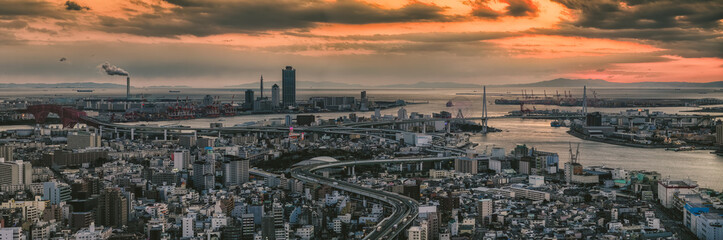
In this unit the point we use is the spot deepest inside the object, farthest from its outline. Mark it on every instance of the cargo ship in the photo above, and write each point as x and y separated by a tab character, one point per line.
84	90
450	104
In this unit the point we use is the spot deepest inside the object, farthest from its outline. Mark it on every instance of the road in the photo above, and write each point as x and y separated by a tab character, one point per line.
404	209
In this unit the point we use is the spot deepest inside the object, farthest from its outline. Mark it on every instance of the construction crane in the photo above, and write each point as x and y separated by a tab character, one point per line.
574	157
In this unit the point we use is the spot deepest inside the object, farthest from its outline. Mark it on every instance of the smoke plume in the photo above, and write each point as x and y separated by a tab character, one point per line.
113	70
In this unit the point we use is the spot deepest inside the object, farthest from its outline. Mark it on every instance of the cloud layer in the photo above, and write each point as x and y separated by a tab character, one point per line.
373	41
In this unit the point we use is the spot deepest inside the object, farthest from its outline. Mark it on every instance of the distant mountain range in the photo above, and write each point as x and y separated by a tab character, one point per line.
564	82
62	85
560	82
301	85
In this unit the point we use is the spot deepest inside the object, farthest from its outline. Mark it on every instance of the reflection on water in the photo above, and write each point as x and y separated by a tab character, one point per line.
699	165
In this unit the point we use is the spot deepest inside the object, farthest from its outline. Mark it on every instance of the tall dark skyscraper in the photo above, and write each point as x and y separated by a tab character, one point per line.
288	86
112	208
249	96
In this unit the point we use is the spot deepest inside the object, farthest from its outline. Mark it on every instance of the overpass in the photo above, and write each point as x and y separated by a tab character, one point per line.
404	209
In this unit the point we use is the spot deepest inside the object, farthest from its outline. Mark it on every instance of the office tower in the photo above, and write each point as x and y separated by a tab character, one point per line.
247	226
364	102
236	171
261	90
275	98
187	224
181	160
16	173
112	208
288	86
82	140
249	97
203	175
6	152
278	213
719	134
484	210
56	192
267	228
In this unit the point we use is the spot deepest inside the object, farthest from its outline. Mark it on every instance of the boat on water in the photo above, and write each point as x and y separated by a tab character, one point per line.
450	104
84	90
555	124
680	149
174	91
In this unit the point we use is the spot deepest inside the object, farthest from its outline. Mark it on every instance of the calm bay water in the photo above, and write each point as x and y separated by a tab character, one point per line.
699	165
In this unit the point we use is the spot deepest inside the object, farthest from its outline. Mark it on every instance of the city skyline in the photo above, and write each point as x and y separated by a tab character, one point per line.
222	43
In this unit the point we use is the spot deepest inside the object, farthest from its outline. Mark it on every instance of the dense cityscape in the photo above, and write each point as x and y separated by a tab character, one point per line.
361	119
405	176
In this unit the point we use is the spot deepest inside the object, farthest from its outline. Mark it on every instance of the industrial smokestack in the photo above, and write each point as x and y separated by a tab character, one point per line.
113	70
128	87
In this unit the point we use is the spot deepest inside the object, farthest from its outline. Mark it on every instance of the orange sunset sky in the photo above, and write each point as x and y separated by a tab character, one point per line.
216	43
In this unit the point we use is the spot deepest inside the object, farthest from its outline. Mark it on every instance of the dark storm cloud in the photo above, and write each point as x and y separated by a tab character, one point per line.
10	9
70	5
689	28
515	8
203	18
641	14
521	8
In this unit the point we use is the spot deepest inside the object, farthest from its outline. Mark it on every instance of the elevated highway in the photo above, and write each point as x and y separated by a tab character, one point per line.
404	209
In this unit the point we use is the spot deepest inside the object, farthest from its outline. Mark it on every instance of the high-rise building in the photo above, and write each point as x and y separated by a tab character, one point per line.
112	208
56	192
267	228
181	160
275	98
203	175
236	171
249	99
288	86
187	224
465	165
278	212
6	152
247	226
484	210
261	90
15	173
719	134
